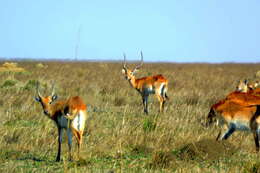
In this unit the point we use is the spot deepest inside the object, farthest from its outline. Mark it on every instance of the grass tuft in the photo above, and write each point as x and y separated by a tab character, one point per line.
8	83
30	85
149	124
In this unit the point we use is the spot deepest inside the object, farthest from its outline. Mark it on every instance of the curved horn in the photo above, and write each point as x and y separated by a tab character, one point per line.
37	89
140	65
53	89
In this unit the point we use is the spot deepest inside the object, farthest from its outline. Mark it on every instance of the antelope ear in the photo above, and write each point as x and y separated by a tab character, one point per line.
54	97
123	71
37	99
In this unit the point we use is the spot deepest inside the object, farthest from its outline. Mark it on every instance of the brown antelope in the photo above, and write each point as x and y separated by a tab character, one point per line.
69	114
234	117
157	85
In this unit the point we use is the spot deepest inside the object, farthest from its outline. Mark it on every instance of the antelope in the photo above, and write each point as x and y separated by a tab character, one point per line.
157	85
246	87
232	117
69	114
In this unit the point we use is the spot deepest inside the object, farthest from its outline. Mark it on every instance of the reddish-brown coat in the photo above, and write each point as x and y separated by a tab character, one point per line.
149	81
232	110
239	111
69	114
245	99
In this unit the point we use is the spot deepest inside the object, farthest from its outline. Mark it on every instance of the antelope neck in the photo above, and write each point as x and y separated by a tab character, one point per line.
132	82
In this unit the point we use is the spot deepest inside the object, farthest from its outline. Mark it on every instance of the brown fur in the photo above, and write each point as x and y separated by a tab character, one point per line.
245	99
145	83
231	115
64	108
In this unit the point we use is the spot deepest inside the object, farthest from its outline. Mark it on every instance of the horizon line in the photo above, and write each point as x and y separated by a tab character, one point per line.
116	60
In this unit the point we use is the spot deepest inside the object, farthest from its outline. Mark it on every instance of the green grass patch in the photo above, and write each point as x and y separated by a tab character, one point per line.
149	124
8	83
21	123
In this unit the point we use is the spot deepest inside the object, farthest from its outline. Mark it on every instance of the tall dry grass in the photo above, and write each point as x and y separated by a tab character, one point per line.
118	136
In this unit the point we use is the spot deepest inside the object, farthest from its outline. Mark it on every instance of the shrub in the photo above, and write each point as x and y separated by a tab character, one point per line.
8	83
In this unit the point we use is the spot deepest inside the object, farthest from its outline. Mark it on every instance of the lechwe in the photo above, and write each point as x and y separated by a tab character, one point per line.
246	87
157	85
69	114
233	116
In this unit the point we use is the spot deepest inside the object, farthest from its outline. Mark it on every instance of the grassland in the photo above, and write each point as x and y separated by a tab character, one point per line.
118	136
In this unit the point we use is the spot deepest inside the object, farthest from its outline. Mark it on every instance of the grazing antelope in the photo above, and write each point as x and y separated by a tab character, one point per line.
234	117
157	85
68	114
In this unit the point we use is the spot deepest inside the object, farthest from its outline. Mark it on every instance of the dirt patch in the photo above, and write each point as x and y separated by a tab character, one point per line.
140	149
205	150
162	159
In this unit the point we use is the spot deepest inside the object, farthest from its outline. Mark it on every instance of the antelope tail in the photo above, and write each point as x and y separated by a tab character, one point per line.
164	91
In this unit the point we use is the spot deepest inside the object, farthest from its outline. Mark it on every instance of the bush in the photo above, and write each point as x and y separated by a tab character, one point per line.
8	83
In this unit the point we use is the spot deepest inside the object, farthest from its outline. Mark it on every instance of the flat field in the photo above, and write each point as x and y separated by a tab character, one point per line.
119	137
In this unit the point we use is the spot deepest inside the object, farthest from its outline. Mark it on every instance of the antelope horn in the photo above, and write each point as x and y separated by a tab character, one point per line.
37	89
140	65
53	89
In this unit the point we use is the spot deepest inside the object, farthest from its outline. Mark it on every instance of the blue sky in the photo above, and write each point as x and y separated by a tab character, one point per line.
165	30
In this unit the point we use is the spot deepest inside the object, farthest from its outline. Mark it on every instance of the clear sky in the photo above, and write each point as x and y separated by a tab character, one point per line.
165	30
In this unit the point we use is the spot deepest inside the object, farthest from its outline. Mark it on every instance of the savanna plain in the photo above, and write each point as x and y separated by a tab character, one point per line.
119	137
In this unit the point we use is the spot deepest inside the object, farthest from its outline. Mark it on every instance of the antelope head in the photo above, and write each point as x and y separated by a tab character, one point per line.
211	118
46	101
129	74
243	86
